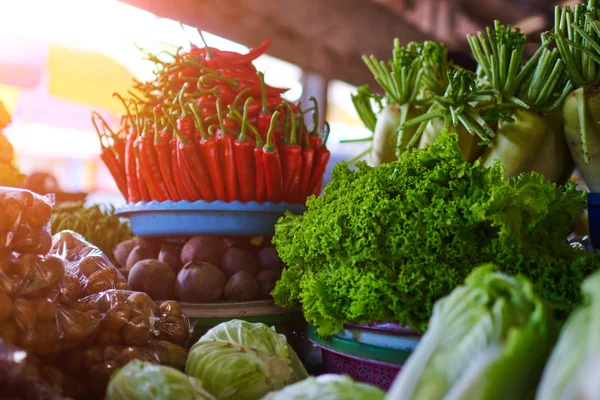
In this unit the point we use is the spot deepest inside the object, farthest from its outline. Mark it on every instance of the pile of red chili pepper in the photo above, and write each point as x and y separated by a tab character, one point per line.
209	128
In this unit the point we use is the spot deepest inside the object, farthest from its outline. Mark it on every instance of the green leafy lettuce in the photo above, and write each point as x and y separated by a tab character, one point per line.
385	243
573	370
487	340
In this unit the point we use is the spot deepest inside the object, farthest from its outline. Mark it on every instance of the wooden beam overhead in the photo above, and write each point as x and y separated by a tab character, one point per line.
324	37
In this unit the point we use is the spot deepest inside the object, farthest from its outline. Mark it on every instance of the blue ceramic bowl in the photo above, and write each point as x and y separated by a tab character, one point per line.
184	218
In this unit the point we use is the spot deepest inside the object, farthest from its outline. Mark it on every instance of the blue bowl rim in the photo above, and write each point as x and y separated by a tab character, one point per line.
203	206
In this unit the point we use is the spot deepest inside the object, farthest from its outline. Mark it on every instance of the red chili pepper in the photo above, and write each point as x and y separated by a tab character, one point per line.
247	77
118	141
244	159
107	155
119	145
178	172
265	117
321	159
260	172
315	139
210	154
217	58
142	180
163	154
256	106
272	165
185	124
230	125
146	192
207	101
258	160
308	158
133	192
193	164
150	166
251	55
291	158
186	178
227	157
226	94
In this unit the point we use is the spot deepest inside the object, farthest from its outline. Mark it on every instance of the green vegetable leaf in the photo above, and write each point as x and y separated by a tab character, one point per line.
385	243
488	339
568	371
242	360
140	380
328	387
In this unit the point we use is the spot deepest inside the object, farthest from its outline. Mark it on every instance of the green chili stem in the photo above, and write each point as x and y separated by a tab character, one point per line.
270	146
242	137
293	137
366	139
220	115
315	127
359	156
180	98
182	139
198	120
263	92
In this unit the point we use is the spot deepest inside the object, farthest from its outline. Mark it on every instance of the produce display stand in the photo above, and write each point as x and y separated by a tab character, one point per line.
219	218
372	353
174	220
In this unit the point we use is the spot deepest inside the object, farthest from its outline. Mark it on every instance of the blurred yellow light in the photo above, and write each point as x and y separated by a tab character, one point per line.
9	96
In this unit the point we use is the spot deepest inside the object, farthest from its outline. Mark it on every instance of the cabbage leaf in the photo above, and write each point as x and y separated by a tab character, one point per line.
327	387
140	380
487	340
574	363
242	360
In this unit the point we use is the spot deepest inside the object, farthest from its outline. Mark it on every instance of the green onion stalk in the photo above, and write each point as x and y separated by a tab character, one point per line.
577	36
404	79
454	111
526	94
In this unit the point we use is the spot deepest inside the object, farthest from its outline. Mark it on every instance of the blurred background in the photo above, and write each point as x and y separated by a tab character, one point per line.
61	59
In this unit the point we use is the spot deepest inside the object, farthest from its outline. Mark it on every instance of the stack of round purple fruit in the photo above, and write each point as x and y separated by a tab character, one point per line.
201	270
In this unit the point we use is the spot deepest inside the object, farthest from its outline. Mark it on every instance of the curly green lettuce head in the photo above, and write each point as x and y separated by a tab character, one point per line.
487	340
384	243
327	387
140	380
243	360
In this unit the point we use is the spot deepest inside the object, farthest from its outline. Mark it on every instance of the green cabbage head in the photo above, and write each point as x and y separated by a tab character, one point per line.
327	387
140	380
487	340
573	370
243	360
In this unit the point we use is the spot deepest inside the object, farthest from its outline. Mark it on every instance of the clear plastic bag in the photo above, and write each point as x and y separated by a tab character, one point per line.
71	312
130	319
23	376
24	221
86	263
96	364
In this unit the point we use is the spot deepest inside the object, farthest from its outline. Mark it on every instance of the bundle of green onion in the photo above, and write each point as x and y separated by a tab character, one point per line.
525	113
